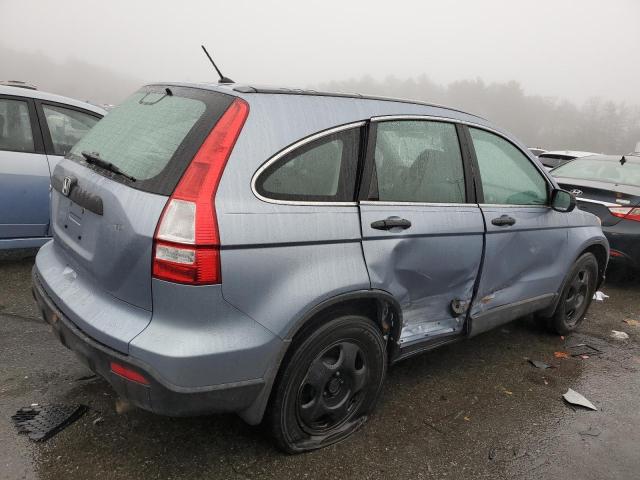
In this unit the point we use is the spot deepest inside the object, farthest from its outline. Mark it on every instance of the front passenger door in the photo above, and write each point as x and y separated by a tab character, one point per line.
526	241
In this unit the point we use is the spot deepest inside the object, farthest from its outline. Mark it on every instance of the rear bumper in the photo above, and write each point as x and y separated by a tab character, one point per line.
158	396
624	240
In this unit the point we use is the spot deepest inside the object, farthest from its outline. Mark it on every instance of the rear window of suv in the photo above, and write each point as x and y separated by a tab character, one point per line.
153	135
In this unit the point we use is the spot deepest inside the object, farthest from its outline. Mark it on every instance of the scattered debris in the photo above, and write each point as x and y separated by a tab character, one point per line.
545	381
561	354
583	349
492	454
633	323
508	392
575	398
467	419
42	422
584	357
591	432
539	364
619	335
600	296
98	421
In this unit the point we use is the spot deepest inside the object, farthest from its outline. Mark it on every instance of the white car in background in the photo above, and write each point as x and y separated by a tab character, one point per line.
555	158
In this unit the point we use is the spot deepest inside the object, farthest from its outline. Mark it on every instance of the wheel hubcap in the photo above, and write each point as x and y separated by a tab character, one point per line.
576	297
332	389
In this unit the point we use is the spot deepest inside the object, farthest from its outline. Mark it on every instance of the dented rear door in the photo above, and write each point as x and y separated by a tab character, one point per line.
422	232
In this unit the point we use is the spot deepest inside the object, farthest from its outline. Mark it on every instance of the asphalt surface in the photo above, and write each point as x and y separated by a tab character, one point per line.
475	409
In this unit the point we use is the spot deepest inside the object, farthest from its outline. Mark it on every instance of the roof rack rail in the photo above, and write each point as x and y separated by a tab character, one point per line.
18	83
317	93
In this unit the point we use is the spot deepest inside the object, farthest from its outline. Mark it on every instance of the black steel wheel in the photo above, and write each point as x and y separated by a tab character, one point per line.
328	385
576	295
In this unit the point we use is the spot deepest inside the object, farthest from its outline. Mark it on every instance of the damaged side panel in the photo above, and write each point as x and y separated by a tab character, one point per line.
429	268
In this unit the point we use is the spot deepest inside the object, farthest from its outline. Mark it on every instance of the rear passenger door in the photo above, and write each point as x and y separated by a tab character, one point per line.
526	242
422	231
24	173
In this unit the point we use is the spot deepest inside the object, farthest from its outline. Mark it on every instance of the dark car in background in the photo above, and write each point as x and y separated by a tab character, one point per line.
609	186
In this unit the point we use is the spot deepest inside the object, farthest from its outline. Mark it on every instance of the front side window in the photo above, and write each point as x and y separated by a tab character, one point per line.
66	127
15	126
323	170
418	161
508	176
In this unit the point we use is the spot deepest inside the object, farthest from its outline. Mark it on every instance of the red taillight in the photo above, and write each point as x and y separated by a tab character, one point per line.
615	253
187	243
127	373
628	213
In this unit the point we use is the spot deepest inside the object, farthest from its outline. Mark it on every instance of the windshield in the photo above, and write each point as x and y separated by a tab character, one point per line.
601	171
141	135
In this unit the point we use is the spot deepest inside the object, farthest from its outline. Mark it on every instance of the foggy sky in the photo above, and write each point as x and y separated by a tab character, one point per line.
559	48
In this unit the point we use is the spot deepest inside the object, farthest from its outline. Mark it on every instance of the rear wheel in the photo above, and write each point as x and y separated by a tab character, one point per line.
576	295
329	384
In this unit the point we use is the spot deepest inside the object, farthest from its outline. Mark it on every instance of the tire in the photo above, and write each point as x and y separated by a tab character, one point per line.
576	296
328	385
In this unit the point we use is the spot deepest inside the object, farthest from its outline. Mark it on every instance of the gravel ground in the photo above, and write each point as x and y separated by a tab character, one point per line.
475	409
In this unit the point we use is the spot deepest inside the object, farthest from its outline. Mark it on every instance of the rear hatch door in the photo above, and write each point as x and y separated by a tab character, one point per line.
109	193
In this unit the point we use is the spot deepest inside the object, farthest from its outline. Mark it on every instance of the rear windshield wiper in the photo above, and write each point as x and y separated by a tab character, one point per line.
94	158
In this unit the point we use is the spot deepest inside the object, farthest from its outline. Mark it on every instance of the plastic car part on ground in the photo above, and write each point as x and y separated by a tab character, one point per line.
582	349
42	422
600	296
619	335
575	398
539	364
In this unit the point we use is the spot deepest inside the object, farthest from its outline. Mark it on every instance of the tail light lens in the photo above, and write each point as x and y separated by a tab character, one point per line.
628	213
187	244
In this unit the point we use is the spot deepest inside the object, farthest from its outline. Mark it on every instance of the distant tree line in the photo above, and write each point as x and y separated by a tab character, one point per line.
598	125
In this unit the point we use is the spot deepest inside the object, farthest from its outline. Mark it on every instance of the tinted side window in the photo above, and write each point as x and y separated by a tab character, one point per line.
15	126
66	127
508	176
322	171
418	161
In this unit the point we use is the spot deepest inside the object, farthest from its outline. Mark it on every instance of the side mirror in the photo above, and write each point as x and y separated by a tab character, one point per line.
562	201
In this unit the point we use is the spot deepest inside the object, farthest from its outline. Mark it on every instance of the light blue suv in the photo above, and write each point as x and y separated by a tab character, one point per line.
36	130
227	248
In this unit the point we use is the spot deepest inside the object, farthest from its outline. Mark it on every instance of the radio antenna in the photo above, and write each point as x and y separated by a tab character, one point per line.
223	79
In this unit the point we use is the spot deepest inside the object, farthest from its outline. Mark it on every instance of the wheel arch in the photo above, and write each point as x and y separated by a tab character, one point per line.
601	251
380	306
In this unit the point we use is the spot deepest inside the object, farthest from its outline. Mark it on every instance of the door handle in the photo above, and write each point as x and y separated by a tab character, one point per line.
503	221
391	222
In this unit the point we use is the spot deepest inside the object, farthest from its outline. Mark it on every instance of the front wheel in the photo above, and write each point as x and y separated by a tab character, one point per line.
328	385
576	295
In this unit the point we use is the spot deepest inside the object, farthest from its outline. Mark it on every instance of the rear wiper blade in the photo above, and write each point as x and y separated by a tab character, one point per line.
94	158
